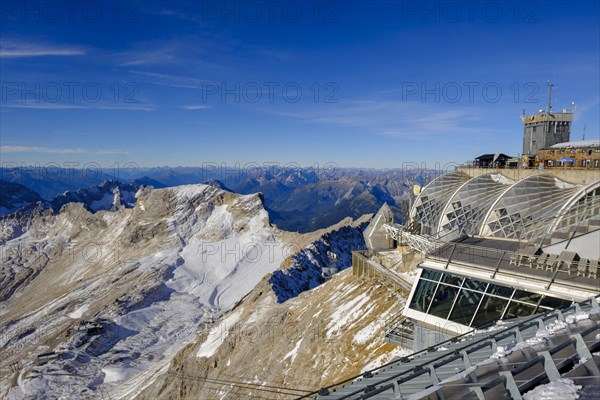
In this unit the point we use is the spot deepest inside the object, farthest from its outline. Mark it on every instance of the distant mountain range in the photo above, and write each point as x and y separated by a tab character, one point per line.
297	199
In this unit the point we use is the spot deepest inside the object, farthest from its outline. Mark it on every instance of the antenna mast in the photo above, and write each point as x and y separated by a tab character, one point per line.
549	106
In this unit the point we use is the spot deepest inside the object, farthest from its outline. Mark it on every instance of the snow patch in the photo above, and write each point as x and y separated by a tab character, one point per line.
186	192
563	185
501	179
562	389
217	335
386	357
366	334
79	312
294	352
346	312
115	373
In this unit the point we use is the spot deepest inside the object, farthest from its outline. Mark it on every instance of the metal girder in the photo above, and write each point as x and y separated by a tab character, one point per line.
422	243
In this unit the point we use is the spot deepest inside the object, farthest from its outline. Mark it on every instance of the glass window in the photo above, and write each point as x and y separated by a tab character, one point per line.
554	303
491	310
527	297
452	279
474	284
431	275
465	306
497	290
517	310
423	295
442	301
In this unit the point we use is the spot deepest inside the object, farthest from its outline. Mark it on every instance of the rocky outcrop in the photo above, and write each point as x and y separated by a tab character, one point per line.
154	269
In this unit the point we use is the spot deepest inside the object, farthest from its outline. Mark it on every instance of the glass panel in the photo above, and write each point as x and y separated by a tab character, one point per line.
431	275
497	290
452	279
554	303
527	297
475	285
516	310
423	295
491	310
442	302
465	307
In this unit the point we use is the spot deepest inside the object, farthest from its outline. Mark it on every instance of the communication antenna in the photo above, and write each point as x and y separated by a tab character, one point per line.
583	138
549	106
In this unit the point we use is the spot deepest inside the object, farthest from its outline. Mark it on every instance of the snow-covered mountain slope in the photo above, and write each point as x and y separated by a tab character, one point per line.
145	278
108	195
266	349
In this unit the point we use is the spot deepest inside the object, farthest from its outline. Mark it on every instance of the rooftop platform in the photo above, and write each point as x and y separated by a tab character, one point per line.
518	265
572	175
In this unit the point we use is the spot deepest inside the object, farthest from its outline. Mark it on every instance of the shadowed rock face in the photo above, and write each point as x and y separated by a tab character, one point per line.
306	270
14	196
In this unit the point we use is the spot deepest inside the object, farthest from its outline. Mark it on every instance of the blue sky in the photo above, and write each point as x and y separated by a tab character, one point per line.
356	83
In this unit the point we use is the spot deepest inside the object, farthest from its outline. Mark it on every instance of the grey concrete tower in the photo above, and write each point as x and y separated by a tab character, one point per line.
545	128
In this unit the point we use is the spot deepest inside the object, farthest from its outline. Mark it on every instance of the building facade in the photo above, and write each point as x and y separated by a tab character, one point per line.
578	154
544	130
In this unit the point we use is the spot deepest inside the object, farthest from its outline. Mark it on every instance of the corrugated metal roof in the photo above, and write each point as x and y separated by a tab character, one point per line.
503	362
577	143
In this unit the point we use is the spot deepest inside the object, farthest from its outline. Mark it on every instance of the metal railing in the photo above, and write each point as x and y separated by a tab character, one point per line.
393	381
422	243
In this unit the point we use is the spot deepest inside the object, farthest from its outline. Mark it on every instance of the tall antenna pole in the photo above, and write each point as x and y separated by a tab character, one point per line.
549	106
583	132
548	109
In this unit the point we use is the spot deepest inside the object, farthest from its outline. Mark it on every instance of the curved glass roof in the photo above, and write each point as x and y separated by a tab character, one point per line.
581	209
492	205
529	208
465	211
428	207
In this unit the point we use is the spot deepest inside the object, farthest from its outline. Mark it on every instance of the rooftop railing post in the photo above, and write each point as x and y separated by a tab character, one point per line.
451	254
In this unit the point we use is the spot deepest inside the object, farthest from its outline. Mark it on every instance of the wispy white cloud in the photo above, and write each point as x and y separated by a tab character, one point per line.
56	150
111	152
162	52
86	106
35	149
392	118
125	106
10	48
173	80
169	12
44	106
196	107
